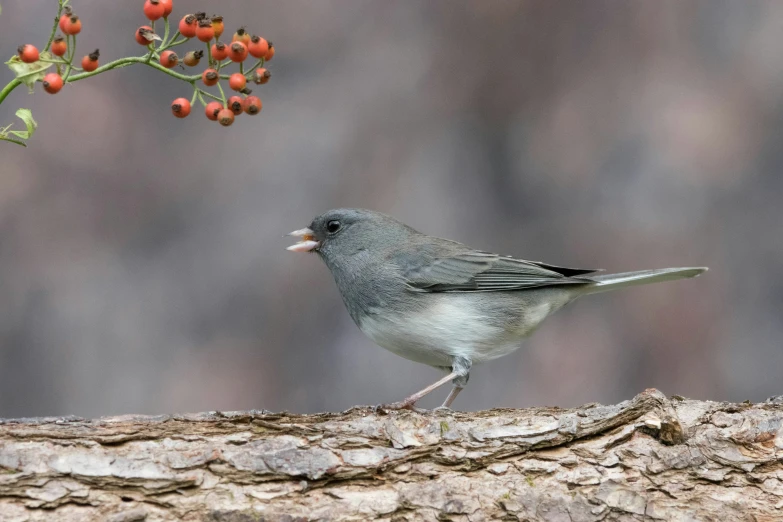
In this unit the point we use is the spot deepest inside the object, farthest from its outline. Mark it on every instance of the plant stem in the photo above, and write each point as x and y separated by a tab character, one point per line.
124	62
13	84
56	22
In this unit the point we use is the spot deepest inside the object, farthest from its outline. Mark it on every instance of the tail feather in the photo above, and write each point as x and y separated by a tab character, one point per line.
607	282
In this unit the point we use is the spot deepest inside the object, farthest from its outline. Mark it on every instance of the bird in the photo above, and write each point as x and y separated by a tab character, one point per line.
441	303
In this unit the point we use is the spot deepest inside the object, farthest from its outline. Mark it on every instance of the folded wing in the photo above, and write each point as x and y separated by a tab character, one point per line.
476	271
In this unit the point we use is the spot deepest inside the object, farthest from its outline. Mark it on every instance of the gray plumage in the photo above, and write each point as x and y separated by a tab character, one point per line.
441	303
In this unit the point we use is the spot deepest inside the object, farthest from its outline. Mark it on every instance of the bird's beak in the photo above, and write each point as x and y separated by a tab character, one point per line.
308	242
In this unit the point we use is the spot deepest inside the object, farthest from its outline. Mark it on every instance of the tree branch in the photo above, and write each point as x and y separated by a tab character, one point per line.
649	458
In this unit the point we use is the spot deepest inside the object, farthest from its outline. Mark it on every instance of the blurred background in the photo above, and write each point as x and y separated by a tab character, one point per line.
141	261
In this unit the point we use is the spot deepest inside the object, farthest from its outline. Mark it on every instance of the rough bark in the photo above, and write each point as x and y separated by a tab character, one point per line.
649	458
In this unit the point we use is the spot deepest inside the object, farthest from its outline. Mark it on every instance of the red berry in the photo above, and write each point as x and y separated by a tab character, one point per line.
241	36
144	35
210	77
180	107
225	117
52	83
261	76
217	25
205	32
212	110
168	7
237	52
153	9
59	47
270	53
235	104
28	53
188	26
252	105
72	25
258	47
67	12
237	81
169	59
90	62
219	51
192	58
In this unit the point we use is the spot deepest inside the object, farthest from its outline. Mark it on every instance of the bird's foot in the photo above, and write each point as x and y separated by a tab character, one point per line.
442	409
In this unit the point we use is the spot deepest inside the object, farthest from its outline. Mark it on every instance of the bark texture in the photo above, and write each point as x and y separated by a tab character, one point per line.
649	458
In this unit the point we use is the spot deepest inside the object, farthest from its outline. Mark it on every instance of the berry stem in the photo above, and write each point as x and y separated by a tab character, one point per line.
60	6
209	94
173	42
71	52
165	34
222	94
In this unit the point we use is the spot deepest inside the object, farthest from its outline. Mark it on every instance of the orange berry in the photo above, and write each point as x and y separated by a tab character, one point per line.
237	52
235	104
258	47
192	58
144	35
217	25
72	25
219	51
52	83
28	53
241	36
188	26
168	7
270	53
59	47
205	32
180	107
169	59
210	77
153	9
212	109
90	62
225	117
252	105
237	81
261	76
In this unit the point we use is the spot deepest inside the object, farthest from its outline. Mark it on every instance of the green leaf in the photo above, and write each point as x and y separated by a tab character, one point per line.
29	73
27	117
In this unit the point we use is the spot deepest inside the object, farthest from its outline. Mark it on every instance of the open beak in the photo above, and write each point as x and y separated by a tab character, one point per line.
308	242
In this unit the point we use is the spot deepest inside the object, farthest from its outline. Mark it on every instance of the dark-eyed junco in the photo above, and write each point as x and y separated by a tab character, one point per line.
440	303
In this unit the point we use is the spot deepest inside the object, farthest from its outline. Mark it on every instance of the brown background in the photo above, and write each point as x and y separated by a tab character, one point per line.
141	263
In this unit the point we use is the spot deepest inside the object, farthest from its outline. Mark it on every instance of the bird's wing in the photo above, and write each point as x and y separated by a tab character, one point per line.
476	271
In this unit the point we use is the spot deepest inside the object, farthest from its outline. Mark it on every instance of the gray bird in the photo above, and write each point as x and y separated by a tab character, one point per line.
441	303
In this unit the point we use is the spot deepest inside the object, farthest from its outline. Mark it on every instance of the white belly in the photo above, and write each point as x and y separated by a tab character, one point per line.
453	326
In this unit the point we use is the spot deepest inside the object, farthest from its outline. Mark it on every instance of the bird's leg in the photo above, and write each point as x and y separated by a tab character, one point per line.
461	366
408	402
452	395
460	372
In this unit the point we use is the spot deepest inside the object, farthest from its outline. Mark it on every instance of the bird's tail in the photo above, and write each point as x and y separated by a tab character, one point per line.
642	277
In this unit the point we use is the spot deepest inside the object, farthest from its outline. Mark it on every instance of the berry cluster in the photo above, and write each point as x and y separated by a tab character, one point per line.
59	52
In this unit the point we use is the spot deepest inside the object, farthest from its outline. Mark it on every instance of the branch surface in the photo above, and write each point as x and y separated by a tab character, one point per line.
649	458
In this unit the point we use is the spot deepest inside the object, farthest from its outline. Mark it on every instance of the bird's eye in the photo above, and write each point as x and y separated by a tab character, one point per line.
333	226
